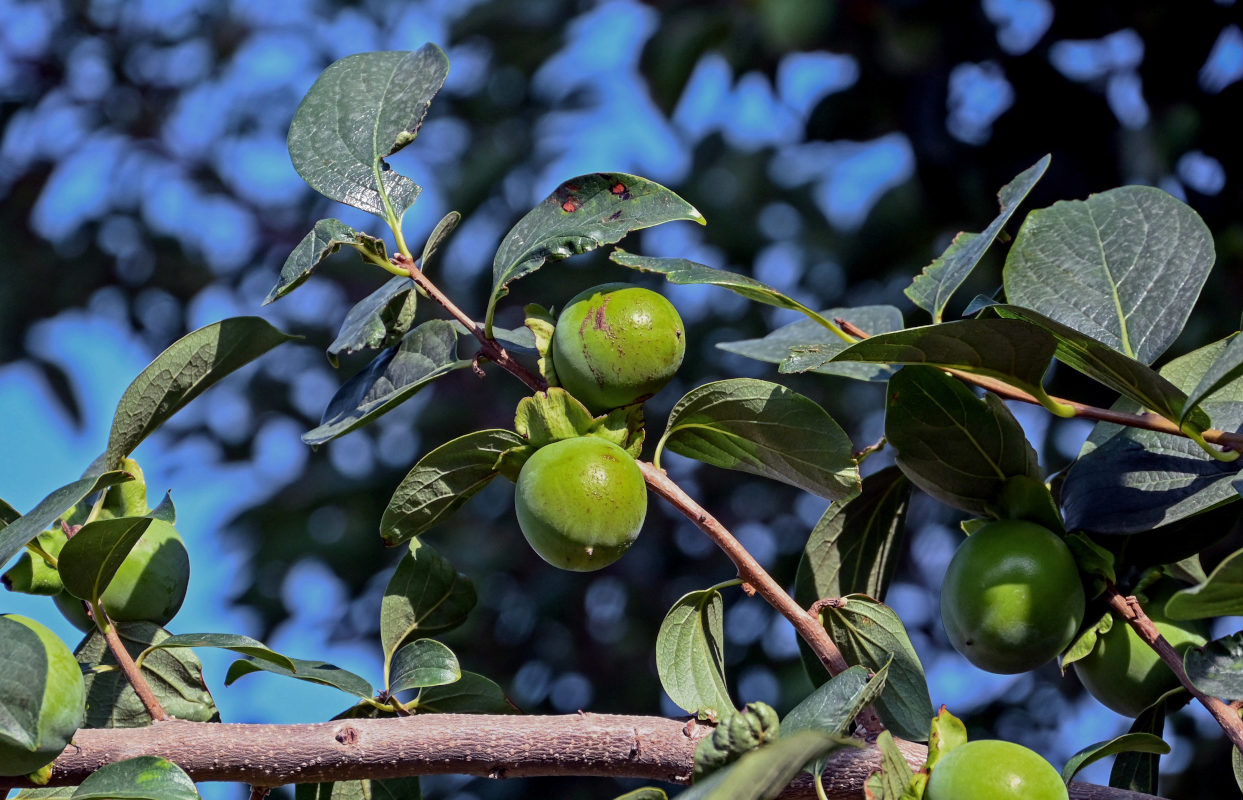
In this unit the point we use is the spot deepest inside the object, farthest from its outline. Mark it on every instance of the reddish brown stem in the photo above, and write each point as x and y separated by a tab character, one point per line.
128	668
1130	610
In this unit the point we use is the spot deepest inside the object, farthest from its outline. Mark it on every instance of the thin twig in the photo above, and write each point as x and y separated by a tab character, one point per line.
132	673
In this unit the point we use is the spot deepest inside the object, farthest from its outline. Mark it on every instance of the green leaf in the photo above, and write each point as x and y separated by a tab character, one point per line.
1128	742
895	773
141	778
1028	498
542	325
645	793
855	545
1220	596
361	110
1124	267
326	238
13	537
442	481
33	573
834	704
817	345
23	683
931	290
320	672
762	773
8	515
440	234
690	657
580	215
764	429
471	694
955	447
367	789
89	560
176	677
181	373
423	662
550	416
1217	668
377	321
1236	762
1134	770
869	633
426	353
1225	369
225	641
46	793
946	733
425	596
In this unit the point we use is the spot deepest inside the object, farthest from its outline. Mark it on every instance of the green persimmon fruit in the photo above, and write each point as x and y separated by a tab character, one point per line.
149	586
991	769
617	344
1123	672
580	502
1011	599
60	710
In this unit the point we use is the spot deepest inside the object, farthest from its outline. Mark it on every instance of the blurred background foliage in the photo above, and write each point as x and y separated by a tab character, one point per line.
835	148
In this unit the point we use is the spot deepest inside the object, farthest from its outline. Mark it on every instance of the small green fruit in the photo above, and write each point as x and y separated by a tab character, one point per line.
617	344
580	502
990	769
60	711
1011	599
150	586
1123	672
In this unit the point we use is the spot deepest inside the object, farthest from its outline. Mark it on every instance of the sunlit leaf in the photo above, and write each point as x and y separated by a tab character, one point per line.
762	773
319	672
13	537
470	694
425	596
327	237
423	662
89	560
234	642
141	778
690	658
1127	742
1217	668
1225	369
833	705
1220	596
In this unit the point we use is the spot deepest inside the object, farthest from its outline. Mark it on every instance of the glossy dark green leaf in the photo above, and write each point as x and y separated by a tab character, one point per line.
423	662
1124	267
327	237
954	446
869	633
426	353
13	537
23	681
764	429
440	234
181	373
175	675
833	705
1220	596
1127	742
762	773
377	321
442	480
817	345
141	778
855	545
580	215
1225	369
931	290
1138	771
89	560
359	111
471	694
1217	668
386	789
320	672
226	641
8	514
425	596
690	656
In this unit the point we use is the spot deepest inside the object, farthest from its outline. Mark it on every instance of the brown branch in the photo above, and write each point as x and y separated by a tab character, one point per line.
1130	610
126	664
652	748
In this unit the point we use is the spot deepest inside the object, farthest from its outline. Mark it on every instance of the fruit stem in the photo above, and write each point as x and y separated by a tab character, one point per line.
127	665
1130	610
749	570
492	349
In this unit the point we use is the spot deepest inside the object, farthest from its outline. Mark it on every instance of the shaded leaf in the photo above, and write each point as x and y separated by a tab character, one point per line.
1124	267
762	773
368	789
377	321
1128	742
425	354
225	641
23	681
320	672
425	596
8	514
764	429
326	238
1217	668
360	110
423	662
580	215
440	234
141	778
471	694
89	560
834	704
817	345
13	537
690	656
1135	770
1220	596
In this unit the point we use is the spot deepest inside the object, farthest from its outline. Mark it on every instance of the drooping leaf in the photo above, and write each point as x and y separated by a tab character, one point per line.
471	694
367	789
1221	595
423	662
13	537
931	290
762	773
425	596
1217	668
870	633
377	321
817	345
141	778
23	680
89	560
327	237
1138	771
1226	368
955	447
690	658
181	373
442	481
854	547
320	672
425	354
834	704
1128	742
1124	267
362	109
235	642
764	429
580	215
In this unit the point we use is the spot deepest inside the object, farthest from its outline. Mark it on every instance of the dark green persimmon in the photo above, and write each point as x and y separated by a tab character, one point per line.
60	709
990	769
1011	599
617	344
1123	672
580	502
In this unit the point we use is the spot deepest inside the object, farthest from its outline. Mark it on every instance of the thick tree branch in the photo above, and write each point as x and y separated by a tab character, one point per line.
653	748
